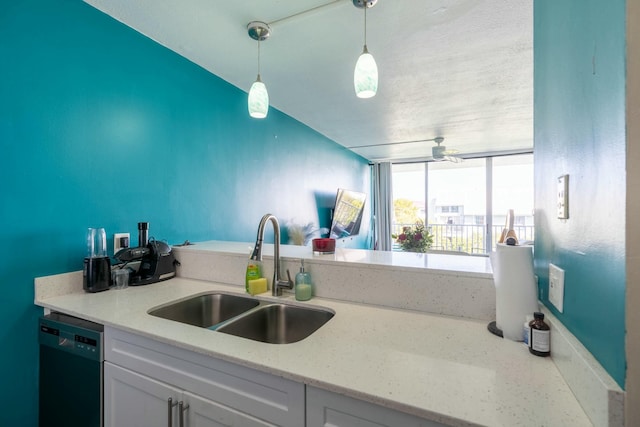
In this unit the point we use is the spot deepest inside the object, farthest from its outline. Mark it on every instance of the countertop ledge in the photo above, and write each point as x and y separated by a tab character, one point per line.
445	263
445	369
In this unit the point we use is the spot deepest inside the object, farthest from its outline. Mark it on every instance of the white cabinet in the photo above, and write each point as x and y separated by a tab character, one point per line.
327	409
136	400
142	374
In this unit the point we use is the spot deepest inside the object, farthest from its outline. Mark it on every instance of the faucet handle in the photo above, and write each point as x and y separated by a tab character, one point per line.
290	281
284	283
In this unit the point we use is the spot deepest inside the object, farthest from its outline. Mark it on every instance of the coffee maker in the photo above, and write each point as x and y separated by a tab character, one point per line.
97	265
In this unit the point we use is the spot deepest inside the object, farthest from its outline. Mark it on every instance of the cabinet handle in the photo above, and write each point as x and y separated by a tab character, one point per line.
182	409
170	406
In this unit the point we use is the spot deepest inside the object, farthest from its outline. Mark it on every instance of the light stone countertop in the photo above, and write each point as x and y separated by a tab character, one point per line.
446	369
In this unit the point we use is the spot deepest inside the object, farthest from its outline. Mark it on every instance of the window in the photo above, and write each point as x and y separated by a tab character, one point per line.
513	189
465	204
408	186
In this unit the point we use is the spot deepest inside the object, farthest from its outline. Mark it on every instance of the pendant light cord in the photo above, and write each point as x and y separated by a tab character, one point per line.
258	57
365	23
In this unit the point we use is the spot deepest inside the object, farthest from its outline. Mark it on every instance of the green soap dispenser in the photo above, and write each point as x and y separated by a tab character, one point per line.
303	288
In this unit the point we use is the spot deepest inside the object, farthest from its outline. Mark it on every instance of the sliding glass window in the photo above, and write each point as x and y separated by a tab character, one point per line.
457	205
513	189
465	204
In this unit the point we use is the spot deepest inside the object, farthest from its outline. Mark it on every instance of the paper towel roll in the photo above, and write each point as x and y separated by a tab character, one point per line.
516	293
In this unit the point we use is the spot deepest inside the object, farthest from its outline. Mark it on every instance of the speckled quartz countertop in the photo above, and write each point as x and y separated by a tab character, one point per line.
446	369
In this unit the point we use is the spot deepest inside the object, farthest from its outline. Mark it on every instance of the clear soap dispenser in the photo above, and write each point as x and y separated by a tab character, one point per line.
303	288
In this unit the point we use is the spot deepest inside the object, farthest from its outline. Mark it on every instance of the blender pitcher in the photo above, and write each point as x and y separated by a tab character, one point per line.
97	265
96	243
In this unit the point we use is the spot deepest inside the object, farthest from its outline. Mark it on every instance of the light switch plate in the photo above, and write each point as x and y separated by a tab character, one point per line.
556	287
563	197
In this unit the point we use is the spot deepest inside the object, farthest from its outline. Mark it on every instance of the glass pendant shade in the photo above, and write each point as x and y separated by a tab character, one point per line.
365	76
258	100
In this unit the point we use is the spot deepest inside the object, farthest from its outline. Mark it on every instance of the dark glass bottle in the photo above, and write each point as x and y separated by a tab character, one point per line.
539	336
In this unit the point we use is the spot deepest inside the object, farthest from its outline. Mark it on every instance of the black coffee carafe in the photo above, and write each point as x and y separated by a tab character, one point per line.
97	265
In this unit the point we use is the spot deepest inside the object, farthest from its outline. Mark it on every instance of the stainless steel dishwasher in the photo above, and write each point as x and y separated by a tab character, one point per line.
71	373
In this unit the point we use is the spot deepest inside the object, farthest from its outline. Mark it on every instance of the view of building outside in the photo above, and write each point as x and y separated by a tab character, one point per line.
451	198
457	205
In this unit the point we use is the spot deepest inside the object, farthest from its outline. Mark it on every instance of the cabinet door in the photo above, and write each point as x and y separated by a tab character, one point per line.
266	397
134	400
326	409
206	413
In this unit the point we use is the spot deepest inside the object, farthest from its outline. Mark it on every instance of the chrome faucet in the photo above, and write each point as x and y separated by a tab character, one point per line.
278	282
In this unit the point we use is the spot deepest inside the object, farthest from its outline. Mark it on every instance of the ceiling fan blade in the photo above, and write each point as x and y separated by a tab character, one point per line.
453	159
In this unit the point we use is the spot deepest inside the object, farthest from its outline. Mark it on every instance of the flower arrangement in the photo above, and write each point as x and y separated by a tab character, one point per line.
414	238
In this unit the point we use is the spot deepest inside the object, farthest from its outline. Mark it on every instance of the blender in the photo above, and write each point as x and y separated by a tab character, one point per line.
97	265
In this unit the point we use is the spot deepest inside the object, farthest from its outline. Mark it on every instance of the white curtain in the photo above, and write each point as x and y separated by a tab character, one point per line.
382	203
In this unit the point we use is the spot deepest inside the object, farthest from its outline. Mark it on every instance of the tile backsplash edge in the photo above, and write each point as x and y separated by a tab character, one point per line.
56	285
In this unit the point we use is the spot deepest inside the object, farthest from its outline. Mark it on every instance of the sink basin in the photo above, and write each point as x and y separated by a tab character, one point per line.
246	317
278	323
206	310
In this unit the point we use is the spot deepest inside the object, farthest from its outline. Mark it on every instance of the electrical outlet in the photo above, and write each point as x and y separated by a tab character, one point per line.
556	287
117	242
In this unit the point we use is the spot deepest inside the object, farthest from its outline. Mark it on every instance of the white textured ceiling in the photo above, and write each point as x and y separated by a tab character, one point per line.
461	69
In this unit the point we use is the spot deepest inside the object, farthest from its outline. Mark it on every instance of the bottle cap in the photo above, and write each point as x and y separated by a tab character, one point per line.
538	316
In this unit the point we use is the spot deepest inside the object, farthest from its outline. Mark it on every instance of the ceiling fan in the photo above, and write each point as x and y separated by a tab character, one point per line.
440	152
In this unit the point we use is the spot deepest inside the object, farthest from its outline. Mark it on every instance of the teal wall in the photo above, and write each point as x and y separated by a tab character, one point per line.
100	126
579	116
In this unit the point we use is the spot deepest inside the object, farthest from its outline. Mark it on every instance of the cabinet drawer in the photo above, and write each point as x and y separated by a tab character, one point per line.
267	397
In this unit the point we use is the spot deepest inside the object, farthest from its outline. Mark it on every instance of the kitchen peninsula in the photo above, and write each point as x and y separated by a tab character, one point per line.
434	368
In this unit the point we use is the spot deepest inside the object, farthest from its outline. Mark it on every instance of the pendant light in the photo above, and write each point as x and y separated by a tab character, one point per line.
365	75
258	101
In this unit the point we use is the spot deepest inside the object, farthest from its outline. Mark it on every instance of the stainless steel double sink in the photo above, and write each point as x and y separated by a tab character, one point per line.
247	317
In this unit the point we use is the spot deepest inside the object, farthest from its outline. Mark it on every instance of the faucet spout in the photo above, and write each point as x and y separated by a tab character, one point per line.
278	281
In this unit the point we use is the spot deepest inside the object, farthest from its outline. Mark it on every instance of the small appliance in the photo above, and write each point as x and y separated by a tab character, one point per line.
96	271
155	258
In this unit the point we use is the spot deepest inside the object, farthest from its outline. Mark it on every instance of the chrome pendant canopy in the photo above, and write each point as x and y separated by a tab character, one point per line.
361	4
258	30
